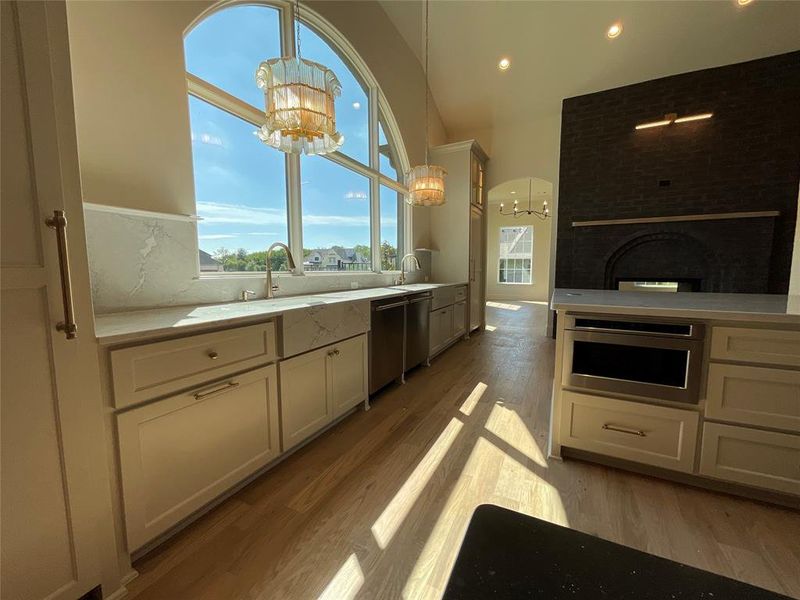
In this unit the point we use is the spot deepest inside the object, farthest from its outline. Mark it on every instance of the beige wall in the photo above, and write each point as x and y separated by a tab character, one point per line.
528	149
538	290
131	104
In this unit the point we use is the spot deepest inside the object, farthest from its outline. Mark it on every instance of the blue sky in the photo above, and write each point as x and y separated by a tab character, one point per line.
239	181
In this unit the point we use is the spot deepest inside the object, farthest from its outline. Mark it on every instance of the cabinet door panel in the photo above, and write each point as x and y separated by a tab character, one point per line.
54	483
348	367
305	403
751	456
178	454
459	319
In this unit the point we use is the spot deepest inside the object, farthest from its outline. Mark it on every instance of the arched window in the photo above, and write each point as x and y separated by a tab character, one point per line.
340	212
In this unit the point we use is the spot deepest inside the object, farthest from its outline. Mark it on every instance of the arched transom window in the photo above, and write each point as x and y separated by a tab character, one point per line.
340	212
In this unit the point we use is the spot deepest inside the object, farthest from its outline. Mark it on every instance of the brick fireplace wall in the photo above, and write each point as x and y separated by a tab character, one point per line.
745	158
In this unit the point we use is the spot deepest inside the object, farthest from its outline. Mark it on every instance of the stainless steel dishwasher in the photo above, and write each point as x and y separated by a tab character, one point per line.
418	318
386	342
398	338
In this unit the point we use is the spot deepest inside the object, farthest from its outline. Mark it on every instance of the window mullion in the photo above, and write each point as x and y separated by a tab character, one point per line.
374	182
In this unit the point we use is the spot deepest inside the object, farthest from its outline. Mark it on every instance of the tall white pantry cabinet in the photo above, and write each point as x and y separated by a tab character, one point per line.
458	227
55	523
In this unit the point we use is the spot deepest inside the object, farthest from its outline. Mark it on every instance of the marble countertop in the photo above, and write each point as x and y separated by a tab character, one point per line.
123	327
694	305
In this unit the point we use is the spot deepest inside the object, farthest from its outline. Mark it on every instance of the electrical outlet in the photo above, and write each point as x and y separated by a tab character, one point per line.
353	285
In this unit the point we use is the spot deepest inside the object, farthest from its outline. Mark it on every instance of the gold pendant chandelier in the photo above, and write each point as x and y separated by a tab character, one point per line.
426	182
300	109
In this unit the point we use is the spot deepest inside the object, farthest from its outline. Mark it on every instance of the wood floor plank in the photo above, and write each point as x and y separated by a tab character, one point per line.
376	508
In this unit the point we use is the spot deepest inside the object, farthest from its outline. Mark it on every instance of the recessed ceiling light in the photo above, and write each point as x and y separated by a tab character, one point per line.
504	64
743	2
513	193
614	31
356	105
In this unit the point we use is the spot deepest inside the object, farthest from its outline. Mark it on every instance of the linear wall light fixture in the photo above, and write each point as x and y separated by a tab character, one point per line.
671	118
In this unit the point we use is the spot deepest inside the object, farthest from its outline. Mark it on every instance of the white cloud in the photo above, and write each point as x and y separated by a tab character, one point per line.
207	138
240	214
218	236
219	212
355	195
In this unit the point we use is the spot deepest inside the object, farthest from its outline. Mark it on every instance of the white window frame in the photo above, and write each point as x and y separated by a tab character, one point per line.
501	257
378	110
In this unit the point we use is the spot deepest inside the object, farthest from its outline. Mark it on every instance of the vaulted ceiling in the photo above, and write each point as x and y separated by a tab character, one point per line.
559	49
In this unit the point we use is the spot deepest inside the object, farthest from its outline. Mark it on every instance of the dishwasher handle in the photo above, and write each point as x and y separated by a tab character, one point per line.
421	299
388	306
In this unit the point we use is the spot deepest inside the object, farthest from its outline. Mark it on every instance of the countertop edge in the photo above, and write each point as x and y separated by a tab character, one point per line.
141	335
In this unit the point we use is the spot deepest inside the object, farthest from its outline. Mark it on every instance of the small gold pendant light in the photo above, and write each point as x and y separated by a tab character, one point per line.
299	97
426	182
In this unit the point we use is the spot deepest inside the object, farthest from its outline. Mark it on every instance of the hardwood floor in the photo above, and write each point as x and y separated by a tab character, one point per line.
377	507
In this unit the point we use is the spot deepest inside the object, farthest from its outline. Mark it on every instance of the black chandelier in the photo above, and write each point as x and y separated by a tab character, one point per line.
517	212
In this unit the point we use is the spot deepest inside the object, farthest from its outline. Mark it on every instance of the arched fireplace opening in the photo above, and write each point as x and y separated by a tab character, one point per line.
667	261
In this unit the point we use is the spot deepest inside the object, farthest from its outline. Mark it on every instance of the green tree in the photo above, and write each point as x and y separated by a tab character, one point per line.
388	256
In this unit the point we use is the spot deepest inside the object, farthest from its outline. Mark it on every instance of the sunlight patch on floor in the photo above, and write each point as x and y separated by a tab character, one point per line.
507	425
346	583
490	328
394	514
473	398
503	305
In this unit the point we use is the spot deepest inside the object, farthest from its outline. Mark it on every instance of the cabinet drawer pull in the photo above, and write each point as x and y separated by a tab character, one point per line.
213	355
336	352
609	427
226	387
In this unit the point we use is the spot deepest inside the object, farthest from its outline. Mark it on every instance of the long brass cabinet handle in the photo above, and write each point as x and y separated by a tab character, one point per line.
59	222
609	427
225	387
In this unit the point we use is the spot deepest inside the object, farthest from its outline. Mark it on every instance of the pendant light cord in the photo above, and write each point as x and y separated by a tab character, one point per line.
427	4
297	25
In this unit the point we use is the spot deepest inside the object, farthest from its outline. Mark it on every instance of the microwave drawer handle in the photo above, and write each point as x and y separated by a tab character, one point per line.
610	427
225	387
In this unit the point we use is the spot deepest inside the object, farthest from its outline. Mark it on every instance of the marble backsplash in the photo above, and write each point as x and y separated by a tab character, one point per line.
146	260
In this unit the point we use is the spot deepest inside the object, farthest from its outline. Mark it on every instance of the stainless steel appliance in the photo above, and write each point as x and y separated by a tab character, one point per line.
651	359
398	338
418	317
386	342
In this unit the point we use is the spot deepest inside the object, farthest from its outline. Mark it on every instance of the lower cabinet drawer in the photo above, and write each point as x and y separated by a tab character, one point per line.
178	454
158	369
461	293
754	396
753	457
655	435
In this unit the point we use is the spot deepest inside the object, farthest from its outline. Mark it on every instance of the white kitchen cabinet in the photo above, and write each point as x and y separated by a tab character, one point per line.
441	329
766	459
319	386
178	454
348	366
57	537
477	296
755	345
459	319
157	369
754	396
655	435
305	404
458	228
